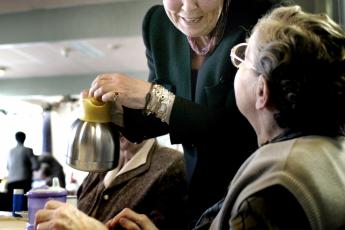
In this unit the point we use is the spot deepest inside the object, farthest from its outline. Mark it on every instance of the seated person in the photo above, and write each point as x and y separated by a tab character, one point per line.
49	168
291	88
149	179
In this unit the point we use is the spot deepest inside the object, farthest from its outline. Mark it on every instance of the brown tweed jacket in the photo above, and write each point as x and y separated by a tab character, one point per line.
158	189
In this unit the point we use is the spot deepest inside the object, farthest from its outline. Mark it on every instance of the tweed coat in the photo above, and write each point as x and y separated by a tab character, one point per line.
156	188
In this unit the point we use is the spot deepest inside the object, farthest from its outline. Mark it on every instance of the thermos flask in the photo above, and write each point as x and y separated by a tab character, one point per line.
94	140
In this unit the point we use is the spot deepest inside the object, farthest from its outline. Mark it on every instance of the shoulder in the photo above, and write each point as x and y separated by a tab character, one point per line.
306	149
156	24
292	164
154	14
167	157
168	152
156	11
28	151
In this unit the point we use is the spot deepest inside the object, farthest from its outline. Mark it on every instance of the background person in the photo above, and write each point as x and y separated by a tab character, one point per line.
191	96
49	168
20	165
149	178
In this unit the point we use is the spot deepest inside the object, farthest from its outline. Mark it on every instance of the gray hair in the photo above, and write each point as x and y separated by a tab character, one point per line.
302	55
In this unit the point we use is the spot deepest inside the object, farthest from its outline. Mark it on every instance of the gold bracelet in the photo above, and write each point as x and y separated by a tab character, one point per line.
160	102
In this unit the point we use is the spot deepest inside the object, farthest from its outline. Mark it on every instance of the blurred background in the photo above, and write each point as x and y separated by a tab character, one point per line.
52	49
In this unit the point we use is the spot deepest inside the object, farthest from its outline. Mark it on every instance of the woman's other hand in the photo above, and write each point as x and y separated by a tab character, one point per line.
128	91
130	220
61	216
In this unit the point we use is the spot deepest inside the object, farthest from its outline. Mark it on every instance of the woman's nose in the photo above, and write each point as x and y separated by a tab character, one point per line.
188	5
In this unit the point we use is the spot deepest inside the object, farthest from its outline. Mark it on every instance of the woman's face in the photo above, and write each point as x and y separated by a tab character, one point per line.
194	18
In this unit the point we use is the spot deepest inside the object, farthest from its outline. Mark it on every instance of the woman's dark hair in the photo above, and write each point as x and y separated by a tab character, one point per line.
222	21
302	55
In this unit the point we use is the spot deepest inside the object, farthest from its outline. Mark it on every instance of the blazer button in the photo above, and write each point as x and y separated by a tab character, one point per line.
106	197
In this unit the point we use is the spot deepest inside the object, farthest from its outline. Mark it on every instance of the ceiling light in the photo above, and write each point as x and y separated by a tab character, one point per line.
66	51
3	70
87	49
114	46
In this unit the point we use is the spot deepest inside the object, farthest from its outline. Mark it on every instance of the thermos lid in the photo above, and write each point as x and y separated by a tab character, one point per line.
94	110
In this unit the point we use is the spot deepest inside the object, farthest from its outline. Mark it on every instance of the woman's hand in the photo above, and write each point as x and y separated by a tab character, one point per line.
130	220
61	216
127	91
116	110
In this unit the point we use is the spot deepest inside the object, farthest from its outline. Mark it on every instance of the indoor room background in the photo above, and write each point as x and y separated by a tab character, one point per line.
50	50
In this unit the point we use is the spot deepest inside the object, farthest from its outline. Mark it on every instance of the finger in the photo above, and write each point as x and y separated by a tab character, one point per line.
55	224
43	226
94	85
105	92
130	218
111	96
97	88
128	224
98	78
43	215
110	226
141	220
84	94
115	220
53	204
103	80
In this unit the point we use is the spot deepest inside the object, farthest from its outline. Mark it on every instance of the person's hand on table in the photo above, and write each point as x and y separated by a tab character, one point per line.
130	220
62	216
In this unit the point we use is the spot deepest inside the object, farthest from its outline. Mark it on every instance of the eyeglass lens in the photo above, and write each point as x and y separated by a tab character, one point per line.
239	55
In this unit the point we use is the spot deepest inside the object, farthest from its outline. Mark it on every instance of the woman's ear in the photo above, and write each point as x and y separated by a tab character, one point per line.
262	93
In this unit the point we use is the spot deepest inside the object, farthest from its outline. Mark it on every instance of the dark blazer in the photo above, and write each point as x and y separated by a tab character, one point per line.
215	136
157	188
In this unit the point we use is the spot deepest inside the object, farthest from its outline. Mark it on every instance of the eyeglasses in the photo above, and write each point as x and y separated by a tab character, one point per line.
238	56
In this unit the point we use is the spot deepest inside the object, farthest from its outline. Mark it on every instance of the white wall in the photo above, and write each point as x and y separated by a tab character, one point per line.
21	116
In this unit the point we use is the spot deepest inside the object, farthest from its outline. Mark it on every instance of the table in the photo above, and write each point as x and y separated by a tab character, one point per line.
8	222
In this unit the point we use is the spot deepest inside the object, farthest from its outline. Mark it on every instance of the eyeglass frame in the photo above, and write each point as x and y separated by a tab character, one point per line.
233	56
